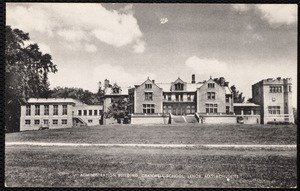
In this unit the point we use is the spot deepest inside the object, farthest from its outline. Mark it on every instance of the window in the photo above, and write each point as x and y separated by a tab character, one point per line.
227	109
275	89
46	121
189	97
28	110
46	109
90	112
273	110
37	122
169	97
100	112
37	110
227	99
211	108
211	95
90	121
55	122
188	111
148	86
148	95
55	109
116	90
178	97
65	110
290	88
84	112
27	122
79	112
64	121
179	86
95	112
211	85
148	108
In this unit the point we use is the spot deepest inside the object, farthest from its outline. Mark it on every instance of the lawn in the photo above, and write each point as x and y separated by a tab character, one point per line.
131	167
165	134
35	166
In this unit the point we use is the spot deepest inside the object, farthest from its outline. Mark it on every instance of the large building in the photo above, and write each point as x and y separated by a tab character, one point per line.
275	99
179	98
58	113
203	102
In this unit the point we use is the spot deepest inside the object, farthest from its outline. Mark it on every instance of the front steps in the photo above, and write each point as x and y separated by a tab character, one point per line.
183	119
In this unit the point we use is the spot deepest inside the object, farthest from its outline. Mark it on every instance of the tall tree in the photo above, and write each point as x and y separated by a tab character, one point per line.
100	93
26	74
236	95
118	108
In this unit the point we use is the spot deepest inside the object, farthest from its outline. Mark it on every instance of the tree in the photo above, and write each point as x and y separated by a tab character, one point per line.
100	93
295	115
118	108
236	95
250	100
26	74
84	96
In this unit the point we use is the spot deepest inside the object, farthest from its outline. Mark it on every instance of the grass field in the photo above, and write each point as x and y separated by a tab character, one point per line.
153	167
171	134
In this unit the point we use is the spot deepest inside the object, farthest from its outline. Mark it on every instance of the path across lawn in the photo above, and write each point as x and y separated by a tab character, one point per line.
150	145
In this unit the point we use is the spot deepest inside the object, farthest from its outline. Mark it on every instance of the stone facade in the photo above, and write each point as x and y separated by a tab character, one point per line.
181	98
212	95
275	99
147	98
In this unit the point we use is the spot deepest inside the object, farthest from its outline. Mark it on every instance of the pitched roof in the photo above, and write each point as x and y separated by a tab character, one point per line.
53	100
190	87
245	105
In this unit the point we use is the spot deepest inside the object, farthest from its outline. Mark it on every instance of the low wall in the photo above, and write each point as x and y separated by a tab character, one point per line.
251	119
229	119
218	119
149	119
279	118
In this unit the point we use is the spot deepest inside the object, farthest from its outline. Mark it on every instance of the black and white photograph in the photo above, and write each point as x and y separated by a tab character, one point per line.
162	95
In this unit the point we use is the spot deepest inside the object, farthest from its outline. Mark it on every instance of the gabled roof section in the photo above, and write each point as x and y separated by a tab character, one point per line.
148	81
115	86
178	80
228	90
210	80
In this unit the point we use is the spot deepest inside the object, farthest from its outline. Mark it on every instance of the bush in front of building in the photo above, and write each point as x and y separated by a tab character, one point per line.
280	123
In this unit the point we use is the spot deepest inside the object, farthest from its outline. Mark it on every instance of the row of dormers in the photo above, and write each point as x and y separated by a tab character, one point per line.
177	86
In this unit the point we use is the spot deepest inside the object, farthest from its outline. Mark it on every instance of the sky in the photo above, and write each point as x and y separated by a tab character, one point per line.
127	43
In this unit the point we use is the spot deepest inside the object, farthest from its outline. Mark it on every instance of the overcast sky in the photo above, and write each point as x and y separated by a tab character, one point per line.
126	43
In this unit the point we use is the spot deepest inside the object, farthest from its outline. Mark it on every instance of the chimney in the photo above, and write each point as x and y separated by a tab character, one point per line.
153	81
222	81
193	79
106	83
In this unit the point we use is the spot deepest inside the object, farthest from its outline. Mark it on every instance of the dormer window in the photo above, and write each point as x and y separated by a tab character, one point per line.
148	86
211	85
178	86
115	90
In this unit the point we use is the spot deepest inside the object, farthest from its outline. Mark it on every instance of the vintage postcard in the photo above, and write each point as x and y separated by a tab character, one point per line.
151	95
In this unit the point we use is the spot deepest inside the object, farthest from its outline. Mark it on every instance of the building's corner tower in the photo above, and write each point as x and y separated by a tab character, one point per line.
288	107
